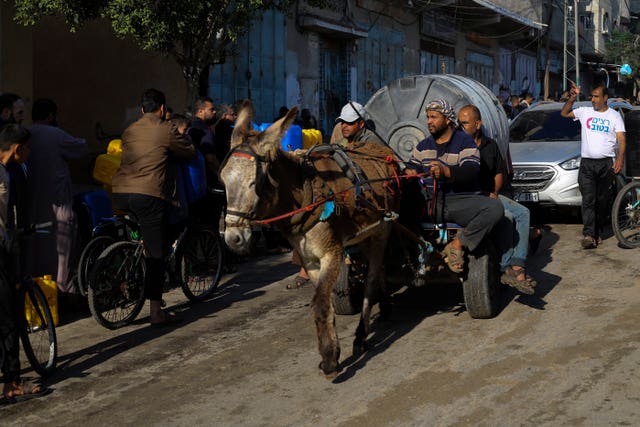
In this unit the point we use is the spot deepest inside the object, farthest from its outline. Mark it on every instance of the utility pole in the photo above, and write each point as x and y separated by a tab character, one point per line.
577	39
564	50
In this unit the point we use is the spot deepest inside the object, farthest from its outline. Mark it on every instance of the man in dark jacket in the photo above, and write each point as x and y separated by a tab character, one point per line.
145	183
451	157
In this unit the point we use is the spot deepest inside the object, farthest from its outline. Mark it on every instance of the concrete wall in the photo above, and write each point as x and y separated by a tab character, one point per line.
95	77
16	56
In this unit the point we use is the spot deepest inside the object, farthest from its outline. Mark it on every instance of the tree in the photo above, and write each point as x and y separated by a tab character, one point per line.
623	47
196	33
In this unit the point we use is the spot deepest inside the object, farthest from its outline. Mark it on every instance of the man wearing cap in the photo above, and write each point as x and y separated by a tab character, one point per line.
452	160
350	126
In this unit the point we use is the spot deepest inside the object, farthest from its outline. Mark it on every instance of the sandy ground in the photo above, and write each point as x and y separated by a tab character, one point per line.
565	356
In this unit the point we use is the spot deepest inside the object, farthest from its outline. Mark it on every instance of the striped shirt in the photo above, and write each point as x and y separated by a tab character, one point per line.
460	154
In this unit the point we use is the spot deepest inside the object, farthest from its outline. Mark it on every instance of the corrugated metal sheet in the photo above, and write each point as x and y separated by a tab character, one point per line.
380	59
257	71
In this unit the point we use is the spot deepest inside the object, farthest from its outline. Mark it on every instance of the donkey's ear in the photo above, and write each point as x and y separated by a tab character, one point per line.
243	124
268	142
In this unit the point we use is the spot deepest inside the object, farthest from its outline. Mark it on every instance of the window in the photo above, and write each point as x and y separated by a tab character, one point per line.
586	21
605	23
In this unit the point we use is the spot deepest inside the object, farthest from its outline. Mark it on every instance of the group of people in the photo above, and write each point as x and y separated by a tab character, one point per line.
35	187
145	183
457	158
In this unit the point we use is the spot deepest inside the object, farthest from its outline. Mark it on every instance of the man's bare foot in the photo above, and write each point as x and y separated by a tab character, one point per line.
23	390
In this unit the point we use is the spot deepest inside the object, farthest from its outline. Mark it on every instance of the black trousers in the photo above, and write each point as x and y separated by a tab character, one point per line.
9	333
478	215
594	180
151	214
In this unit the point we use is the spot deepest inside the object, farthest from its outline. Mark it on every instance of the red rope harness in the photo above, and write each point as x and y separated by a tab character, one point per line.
345	194
307	208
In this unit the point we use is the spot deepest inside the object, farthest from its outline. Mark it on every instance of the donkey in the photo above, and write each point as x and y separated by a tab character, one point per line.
322	212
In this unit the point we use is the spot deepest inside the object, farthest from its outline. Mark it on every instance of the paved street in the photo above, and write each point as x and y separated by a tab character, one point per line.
566	356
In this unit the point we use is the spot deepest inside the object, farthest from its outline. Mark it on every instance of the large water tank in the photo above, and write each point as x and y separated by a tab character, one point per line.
398	109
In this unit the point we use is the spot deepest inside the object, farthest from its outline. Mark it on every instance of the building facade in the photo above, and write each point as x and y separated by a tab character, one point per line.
320	59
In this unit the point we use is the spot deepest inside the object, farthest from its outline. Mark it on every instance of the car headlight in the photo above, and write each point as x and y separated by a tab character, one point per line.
571	164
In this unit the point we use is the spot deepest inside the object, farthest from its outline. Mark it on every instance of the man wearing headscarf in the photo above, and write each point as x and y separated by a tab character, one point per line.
452	161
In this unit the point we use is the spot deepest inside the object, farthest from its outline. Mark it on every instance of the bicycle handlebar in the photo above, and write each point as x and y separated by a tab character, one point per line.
34	228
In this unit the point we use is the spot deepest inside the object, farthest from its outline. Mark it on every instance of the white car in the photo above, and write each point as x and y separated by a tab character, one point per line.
545	152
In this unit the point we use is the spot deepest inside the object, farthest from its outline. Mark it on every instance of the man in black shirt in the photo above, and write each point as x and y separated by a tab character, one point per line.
493	180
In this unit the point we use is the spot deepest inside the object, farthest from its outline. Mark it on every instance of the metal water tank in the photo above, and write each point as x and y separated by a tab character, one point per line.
398	109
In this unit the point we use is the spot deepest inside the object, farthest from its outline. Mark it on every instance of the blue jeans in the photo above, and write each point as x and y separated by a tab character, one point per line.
520	216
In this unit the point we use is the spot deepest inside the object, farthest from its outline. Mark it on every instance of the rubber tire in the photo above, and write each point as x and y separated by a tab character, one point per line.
480	286
193	252
348	292
42	359
621	198
88	257
106	267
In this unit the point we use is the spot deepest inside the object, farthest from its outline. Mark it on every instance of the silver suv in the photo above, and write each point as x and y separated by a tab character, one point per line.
545	151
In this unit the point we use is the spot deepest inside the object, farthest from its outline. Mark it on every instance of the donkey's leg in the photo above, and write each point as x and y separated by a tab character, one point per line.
375	287
323	313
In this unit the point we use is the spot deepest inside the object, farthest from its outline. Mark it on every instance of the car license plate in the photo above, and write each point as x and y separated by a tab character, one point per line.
527	197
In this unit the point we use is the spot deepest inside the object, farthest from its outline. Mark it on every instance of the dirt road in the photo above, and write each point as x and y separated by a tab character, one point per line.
565	356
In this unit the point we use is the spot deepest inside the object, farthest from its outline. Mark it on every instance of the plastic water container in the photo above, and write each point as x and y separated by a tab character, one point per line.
50	290
292	139
98	204
311	137
115	147
105	167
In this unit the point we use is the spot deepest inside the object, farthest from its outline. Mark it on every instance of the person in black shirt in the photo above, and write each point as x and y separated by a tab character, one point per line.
494	180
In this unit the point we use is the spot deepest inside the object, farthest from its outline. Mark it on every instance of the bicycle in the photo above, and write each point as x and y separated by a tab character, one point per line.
36	324
103	235
625	215
116	287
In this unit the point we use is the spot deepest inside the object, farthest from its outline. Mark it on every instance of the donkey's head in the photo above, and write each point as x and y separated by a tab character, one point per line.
246	174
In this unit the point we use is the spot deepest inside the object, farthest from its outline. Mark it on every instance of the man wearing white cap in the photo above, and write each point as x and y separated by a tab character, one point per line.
350	126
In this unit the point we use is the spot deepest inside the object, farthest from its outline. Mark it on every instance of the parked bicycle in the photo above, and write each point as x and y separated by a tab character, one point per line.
116	286
36	322
106	233
625	215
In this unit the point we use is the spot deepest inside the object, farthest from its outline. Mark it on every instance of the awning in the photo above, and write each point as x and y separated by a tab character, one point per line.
334	28
511	14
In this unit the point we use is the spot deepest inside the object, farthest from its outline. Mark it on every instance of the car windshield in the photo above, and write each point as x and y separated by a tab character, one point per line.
543	125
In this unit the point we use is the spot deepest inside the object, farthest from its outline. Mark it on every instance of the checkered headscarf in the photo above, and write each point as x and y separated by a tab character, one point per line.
443	107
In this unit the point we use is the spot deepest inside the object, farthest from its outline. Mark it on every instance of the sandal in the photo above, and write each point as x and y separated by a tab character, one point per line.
510	278
298	282
23	390
278	250
454	258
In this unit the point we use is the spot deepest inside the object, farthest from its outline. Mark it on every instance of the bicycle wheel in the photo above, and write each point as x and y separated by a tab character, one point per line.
116	286
200	263
625	216
88	257
38	333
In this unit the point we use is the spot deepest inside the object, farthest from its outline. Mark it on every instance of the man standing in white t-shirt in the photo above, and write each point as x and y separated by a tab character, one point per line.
602	129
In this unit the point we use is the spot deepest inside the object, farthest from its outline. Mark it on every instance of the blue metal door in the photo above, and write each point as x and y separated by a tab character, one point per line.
256	70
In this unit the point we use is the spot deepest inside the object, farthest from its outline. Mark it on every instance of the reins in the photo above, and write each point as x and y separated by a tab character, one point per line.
345	192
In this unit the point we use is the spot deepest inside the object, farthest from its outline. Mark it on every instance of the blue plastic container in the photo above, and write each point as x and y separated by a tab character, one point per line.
98	205
292	139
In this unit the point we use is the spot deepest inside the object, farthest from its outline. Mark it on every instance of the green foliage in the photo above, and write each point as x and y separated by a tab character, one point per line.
196	33
623	47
